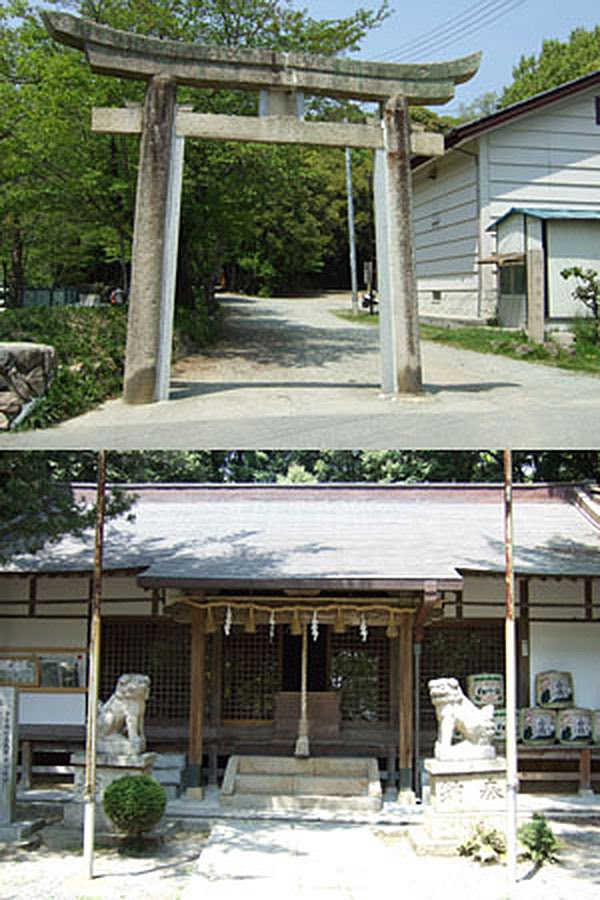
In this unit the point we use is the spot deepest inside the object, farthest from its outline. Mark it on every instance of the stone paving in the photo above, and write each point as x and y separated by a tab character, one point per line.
291	374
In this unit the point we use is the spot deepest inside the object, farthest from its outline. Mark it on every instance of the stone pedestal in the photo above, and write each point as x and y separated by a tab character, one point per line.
109	767
463	793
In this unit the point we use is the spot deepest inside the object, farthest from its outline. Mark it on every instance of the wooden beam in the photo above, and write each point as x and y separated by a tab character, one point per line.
405	735
196	735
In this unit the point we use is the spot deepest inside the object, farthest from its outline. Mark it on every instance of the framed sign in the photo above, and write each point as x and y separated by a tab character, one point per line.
45	669
19	671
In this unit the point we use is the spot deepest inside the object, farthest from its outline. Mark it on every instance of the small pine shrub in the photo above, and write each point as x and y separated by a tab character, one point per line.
486	845
540	842
135	803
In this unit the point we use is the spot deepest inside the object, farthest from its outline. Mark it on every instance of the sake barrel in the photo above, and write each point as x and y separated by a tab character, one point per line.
486	687
537	726
500	724
554	690
574	727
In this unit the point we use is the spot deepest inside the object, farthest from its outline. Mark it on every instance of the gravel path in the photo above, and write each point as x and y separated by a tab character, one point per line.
308	862
290	374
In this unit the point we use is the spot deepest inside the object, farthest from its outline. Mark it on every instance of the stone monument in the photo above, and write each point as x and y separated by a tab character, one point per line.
10	830
120	748
467	781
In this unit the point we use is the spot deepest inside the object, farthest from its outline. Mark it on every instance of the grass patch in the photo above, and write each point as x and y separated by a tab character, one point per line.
90	344
583	357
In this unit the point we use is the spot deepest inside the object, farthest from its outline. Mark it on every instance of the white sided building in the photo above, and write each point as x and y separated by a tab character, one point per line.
533	167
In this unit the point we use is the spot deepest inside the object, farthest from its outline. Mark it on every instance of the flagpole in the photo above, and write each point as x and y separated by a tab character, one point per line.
89	796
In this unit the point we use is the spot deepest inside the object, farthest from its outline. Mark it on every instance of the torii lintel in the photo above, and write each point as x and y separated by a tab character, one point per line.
114	52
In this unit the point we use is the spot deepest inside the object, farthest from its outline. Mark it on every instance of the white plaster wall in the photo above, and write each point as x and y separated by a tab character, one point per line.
571	648
51	709
486	589
17	633
554	594
13	590
63	588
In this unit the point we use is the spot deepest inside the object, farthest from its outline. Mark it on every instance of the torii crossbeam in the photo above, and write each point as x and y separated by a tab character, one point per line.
282	79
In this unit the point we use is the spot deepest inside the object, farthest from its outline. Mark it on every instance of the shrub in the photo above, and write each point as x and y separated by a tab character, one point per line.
540	842
135	803
487	845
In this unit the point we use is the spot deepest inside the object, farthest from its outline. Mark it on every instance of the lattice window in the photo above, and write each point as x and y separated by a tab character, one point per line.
361	671
457	652
250	674
160	649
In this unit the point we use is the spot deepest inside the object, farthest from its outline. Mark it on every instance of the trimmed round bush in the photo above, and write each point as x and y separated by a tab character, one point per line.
135	803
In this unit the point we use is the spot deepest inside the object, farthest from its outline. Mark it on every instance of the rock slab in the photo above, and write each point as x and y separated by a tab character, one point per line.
26	373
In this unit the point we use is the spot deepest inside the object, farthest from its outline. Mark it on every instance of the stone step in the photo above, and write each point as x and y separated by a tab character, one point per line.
291	765
311	785
296	803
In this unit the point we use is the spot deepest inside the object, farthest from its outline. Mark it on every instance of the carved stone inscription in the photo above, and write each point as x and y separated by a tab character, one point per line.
8	753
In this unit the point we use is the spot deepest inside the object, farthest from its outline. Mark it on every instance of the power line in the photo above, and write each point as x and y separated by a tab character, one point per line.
473	19
439	30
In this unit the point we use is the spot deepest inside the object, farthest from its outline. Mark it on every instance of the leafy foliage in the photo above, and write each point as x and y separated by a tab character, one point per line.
587	290
135	803
540	842
486	845
558	61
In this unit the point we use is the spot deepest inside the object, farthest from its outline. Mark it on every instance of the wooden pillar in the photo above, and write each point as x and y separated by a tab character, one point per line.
302	744
585	772
141	380
405	734
196	728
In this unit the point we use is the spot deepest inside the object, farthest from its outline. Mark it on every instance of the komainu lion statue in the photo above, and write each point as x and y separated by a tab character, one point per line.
121	718
456	713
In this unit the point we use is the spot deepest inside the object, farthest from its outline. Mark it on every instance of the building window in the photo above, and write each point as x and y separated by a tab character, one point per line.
513	279
597	109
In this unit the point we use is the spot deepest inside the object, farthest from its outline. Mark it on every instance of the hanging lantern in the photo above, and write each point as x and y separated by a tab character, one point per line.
392	629
210	626
228	622
250	626
339	626
296	628
272	626
363	628
314	626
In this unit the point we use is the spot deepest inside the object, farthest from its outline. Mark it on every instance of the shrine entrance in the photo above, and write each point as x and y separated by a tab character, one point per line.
291	670
281	79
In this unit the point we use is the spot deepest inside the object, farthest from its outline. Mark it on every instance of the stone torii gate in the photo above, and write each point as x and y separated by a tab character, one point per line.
282	80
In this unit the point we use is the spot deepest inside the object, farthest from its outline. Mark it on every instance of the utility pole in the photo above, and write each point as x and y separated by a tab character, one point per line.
89	796
511	683
351	232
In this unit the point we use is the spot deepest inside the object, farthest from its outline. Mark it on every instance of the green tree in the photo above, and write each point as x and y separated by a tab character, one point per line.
66	195
557	62
38	502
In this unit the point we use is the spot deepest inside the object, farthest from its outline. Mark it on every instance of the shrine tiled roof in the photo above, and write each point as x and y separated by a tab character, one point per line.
380	536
